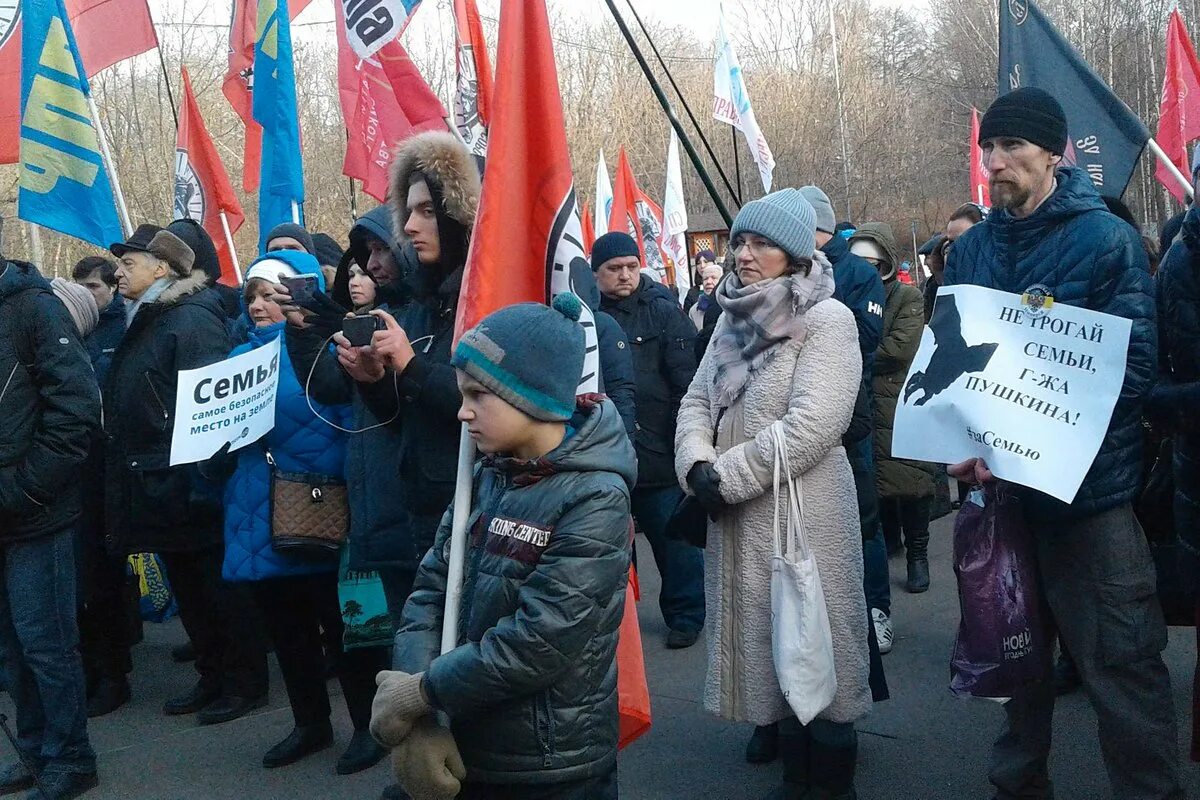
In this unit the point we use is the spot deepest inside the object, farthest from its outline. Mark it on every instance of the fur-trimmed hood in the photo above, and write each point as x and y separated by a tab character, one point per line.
195	282
441	156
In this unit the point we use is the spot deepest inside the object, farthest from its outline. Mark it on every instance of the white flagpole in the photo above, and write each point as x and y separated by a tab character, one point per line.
837	81
458	540
295	213
1171	167
35	242
237	267
109	166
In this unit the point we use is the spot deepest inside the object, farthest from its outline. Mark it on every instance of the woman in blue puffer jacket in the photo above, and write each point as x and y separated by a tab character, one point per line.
298	595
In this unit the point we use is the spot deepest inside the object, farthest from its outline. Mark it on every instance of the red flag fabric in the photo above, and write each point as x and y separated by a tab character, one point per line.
633	693
635	213
473	94
384	100
589	230
1179	114
202	187
980	193
243	32
107	31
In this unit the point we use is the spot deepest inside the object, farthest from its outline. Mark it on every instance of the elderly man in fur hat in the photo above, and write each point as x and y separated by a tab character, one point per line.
175	322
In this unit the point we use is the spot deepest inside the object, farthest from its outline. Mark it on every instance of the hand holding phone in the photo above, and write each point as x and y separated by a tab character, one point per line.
359	329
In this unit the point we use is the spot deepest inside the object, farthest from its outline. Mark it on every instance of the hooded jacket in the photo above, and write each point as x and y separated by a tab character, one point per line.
151	506
194	235
50	405
107	337
531	688
300	442
375	224
664	361
1084	256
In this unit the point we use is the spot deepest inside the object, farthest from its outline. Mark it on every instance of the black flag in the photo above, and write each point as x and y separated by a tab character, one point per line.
1104	136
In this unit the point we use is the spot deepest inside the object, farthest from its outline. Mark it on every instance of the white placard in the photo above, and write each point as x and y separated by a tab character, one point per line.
1027	384
230	401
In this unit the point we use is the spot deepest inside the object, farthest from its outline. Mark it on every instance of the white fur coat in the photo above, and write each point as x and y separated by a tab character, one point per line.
808	388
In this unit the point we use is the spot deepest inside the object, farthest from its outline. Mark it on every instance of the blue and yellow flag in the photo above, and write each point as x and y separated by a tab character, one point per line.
274	108
63	183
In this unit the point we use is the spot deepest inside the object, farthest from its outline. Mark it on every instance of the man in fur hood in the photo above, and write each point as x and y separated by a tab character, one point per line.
176	322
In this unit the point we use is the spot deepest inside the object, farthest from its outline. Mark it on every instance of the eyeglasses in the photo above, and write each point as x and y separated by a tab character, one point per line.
757	245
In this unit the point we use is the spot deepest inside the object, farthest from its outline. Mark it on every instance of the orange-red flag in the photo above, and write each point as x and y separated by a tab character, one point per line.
980	191
239	78
106	31
202	187
1179	115
589	231
636	214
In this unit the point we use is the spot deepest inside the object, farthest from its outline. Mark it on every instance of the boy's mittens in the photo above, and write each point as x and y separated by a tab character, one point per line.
398	702
428	764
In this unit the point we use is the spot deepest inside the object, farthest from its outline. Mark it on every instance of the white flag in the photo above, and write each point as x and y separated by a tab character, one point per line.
675	220
604	197
731	104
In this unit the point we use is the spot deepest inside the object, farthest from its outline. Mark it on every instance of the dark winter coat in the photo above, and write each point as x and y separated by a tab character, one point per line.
104	340
1089	258
1174	402
49	404
300	443
401	472
149	505
531	690
903	321
375	224
858	287
616	359
664	361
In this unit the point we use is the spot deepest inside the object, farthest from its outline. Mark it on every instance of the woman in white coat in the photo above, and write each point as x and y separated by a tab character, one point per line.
784	356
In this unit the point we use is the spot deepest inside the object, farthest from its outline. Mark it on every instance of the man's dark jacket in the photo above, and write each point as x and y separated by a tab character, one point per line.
664	362
151	506
103	342
49	404
401	472
1083	256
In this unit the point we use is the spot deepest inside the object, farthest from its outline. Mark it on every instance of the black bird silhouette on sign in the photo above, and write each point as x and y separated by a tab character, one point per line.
951	358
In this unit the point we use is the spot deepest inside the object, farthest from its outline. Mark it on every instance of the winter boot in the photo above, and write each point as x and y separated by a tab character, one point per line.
833	751
763	747
794	745
918	563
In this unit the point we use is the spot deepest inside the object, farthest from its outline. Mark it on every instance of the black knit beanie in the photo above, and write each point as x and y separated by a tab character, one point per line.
1030	114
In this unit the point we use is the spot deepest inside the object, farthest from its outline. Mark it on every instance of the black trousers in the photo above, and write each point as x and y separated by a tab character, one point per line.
222	621
907	517
108	620
304	620
603	787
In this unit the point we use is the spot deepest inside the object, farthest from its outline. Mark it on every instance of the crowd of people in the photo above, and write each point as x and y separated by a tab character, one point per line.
788	355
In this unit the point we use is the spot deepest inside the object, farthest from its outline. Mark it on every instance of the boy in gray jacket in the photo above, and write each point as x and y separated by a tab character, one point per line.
531	689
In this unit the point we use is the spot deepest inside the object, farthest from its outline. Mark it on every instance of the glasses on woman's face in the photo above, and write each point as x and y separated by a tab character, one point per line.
757	244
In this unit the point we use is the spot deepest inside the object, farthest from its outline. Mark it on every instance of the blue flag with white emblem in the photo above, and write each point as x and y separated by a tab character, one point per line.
63	184
274	107
1103	136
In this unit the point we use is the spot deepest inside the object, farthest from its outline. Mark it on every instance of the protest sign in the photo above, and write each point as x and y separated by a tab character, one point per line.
1025	383
231	401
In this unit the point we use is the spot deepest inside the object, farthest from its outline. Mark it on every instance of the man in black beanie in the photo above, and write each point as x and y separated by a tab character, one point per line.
1050	233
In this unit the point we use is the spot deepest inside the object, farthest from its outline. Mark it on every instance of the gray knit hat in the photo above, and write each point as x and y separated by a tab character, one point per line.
80	303
822	208
785	218
529	355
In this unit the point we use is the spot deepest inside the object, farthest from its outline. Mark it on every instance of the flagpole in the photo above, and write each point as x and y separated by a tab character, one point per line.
35	243
109	166
237	268
684	139
1171	167
837	80
737	163
458	539
162	62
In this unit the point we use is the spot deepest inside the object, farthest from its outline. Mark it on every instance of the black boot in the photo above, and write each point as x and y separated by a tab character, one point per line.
304	740
1066	675
794	744
183	653
229	707
363	753
195	699
763	747
918	563
833	754
63	785
108	695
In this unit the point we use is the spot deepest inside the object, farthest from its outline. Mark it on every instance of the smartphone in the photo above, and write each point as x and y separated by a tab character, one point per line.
301	288
359	329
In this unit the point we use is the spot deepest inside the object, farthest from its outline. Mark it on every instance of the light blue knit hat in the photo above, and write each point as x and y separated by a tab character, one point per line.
785	218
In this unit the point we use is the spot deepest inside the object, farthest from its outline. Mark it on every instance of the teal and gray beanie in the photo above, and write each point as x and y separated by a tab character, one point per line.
530	355
784	217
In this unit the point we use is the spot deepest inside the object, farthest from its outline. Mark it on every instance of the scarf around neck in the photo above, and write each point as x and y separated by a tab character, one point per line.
151	294
758	319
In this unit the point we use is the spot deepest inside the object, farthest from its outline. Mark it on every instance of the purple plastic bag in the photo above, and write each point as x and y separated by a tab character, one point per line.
1001	642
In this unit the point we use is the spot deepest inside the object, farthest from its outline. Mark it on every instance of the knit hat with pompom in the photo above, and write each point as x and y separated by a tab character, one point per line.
530	355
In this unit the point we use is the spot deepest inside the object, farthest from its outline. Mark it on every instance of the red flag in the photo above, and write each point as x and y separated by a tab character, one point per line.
107	31
1179	114
635	213
980	193
473	94
243	32
384	100
589	230
202	188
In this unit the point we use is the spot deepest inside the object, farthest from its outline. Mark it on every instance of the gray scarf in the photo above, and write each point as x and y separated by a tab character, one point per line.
758	319
151	294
